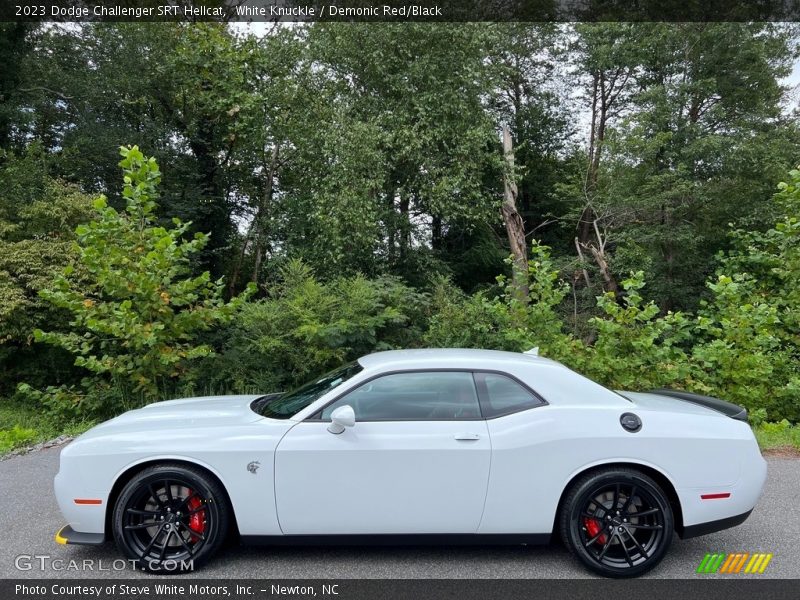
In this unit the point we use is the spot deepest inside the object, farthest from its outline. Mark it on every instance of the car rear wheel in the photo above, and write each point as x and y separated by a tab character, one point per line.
170	518
617	521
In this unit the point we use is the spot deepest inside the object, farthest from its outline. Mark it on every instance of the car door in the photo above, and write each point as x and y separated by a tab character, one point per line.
416	460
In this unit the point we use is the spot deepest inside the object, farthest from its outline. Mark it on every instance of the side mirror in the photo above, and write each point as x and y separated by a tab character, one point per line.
342	417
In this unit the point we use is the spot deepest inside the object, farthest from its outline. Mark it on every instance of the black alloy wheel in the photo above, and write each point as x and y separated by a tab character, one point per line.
170	518
617	521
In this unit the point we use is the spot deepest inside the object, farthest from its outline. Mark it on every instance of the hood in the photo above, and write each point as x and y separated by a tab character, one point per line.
210	411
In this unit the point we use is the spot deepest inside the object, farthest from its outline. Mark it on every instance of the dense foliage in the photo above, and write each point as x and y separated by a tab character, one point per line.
135	311
332	189
306	326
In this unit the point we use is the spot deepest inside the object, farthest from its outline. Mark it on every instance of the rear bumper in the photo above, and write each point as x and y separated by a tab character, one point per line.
705	528
67	535
714	508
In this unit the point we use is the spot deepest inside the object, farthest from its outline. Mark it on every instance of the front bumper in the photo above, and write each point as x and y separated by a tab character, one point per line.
67	535
73	485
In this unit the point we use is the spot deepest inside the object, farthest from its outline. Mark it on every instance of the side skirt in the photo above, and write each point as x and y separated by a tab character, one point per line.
412	539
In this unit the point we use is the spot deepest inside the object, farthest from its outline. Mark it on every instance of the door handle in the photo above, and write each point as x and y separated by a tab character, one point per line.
466	437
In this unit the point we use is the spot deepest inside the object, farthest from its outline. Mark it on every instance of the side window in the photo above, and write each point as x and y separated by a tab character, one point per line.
504	396
435	395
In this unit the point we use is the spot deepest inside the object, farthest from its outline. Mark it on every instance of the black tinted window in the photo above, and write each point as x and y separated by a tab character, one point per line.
504	395
286	405
413	396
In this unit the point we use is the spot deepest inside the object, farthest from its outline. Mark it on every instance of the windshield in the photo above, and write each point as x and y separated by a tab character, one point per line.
290	403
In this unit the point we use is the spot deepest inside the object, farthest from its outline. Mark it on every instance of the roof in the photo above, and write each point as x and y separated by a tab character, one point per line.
449	358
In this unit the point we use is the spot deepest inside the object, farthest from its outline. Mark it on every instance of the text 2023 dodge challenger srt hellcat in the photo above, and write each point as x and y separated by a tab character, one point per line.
418	445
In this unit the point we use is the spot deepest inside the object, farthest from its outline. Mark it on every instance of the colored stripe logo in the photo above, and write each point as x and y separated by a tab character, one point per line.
739	562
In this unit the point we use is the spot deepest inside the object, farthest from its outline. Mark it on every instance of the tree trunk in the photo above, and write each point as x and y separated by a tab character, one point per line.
261	215
605	271
436	232
212	215
514	225
391	226
596	139
237	268
584	272
604	93
405	225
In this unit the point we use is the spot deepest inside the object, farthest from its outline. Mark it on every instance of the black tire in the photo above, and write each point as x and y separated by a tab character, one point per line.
617	521
171	518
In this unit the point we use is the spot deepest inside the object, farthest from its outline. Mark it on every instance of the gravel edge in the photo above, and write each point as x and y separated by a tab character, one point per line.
59	441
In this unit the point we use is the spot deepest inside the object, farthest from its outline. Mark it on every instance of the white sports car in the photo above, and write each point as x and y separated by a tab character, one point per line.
444	445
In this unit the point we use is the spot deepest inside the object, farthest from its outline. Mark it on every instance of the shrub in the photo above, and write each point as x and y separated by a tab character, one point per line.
37	217
738	347
778	435
748	338
136	310
307	326
501	322
739	354
474	321
635	348
140	320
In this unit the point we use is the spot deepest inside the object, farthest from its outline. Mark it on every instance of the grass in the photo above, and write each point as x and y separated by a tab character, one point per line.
778	437
23	426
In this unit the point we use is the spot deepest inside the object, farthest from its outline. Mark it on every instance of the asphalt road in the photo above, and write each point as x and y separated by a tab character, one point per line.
29	517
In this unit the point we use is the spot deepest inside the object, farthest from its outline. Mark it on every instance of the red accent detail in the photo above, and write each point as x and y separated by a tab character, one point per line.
197	521
87	501
715	496
593	527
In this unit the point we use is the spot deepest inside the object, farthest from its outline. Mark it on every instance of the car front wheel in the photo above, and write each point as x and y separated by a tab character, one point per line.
617	521
170	518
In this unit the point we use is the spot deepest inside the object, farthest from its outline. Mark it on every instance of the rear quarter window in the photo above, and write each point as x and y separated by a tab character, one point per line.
503	395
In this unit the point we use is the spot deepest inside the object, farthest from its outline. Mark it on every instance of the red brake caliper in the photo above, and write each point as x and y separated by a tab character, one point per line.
197	521
593	527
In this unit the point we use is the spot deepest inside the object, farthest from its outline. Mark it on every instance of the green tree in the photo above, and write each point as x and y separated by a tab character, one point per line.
37	218
635	348
750	351
398	150
307	326
136	312
171	87
700	144
15	43
501	322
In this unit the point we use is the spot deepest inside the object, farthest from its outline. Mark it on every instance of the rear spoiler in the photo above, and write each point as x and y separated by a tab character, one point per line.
734	411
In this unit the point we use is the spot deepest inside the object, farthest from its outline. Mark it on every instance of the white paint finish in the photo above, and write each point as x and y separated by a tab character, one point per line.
562	387
535	454
342	418
415	477
92	463
744	493
382	477
186	414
